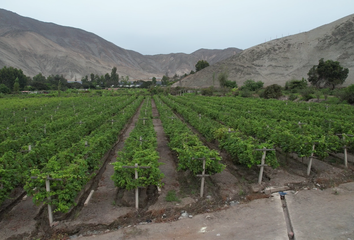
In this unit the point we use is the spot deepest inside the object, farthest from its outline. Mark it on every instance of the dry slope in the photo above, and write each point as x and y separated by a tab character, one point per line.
47	48
286	58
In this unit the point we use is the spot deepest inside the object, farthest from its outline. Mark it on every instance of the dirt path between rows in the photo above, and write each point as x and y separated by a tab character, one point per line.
168	168
102	208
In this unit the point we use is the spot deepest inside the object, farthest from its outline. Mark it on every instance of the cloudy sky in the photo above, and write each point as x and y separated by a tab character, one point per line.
171	26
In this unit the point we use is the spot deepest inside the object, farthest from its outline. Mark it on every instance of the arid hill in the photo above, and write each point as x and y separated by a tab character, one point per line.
47	48
286	58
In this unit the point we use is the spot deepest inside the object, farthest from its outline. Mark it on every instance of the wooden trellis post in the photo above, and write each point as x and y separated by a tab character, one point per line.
141	140
143	120
112	121
229	131
80	123
262	165
300	124
47	187
203	175
29	149
329	120
310	162
136	166
345	149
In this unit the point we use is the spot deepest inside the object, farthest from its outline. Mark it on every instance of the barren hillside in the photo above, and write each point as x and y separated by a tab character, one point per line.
285	58
47	48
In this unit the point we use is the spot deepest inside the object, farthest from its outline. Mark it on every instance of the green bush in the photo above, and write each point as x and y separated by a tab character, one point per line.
273	91
295	85
318	94
230	84
251	85
350	94
306	93
326	92
292	97
172	197
245	93
260	93
346	94
224	82
208	91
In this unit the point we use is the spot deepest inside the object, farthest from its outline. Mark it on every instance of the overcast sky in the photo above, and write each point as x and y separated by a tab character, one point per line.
171	26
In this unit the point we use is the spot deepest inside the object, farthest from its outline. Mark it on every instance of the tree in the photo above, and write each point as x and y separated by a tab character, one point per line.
53	82
39	85
92	77
164	80
59	87
153	81
200	65
124	80
114	75
4	89
39	78
16	86
8	76
327	74
107	78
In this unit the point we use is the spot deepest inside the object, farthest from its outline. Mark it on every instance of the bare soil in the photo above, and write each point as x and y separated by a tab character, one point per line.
111	209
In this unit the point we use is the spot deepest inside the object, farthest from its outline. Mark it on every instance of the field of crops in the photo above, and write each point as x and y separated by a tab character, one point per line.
243	125
63	139
66	136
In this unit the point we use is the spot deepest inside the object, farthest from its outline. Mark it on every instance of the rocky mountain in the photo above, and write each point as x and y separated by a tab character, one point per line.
286	58
181	63
47	48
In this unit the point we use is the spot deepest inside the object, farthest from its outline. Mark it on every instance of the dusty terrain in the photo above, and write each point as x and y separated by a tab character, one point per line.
285	58
234	205
50	49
